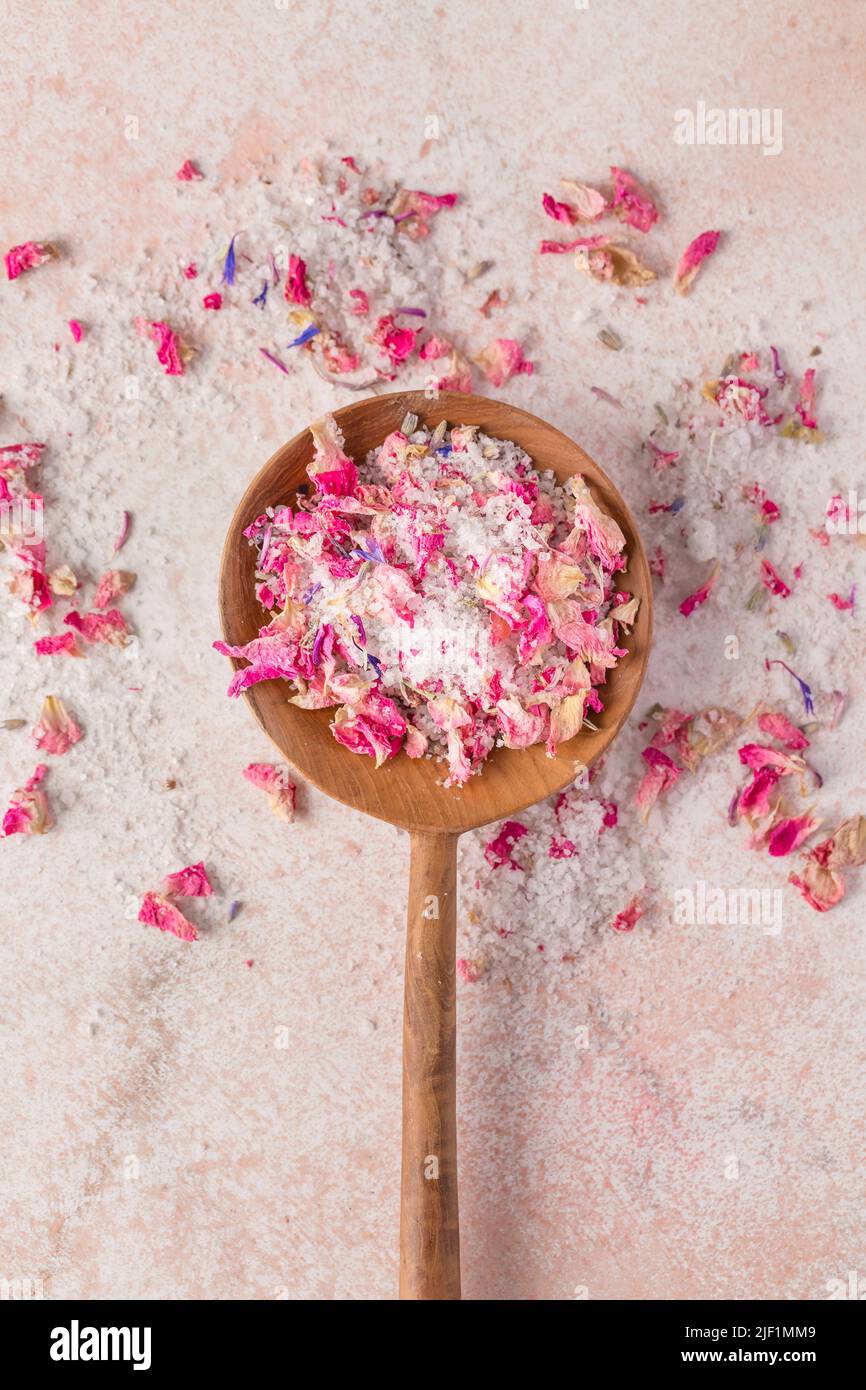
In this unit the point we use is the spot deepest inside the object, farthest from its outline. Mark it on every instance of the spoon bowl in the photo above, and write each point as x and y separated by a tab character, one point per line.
408	792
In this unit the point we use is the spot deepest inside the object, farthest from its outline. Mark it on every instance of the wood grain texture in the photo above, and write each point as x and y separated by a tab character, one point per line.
409	793
429	1230
406	792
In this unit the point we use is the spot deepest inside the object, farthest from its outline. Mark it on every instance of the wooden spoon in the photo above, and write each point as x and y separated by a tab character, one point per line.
407	793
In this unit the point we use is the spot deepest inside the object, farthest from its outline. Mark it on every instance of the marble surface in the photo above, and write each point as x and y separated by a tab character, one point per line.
180	1125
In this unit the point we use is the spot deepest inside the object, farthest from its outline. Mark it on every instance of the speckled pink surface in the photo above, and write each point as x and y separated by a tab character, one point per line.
179	1125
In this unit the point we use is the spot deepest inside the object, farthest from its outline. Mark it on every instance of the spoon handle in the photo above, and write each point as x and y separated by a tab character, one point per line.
429	1226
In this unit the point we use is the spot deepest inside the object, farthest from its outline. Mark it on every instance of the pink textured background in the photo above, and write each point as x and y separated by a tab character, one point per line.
156	1142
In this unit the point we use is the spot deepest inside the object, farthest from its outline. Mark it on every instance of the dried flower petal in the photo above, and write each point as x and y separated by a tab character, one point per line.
229	264
617	264
587	203
662	773
188	172
692	258
503	359
276	361
169	349
191	882
412	210
805	690
19	457
779	727
279	786
560	212
804	425
631	202
772	580
662	458
27	256
296	290
56	730
112	586
107	627
628	919
63	642
789	833
396	343
693	601
497	851
844	605
156	911
29	812
126	522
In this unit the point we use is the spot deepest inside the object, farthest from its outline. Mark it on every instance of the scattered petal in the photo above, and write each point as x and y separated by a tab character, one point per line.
29	812
617	264
412	210
188	172
309	332
156	911
804	424
693	601
661	774
169	349
396	343
662	458
63	642
628	919
276	782
296	290
772	580
27	256
804	688
191	882
109	627
788	834
631	202
276	361
123	534
56	730
560	212
692	258
779	727
845	605
587	204
497	851
228	275
112	586
502	360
